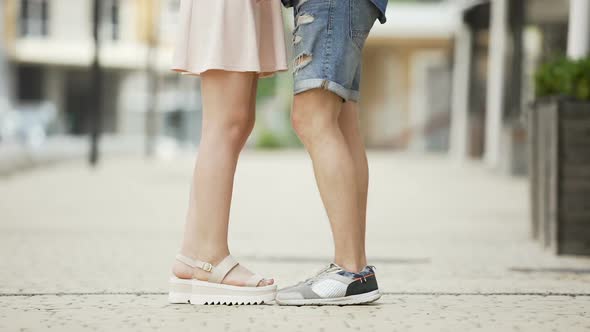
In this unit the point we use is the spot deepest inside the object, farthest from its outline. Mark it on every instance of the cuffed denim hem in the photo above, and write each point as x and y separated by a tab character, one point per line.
316	83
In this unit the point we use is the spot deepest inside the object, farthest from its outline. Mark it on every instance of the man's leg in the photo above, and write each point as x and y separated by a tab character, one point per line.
349	125
315	119
328	41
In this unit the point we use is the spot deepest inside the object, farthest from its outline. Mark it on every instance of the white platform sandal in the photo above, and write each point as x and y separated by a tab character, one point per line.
194	291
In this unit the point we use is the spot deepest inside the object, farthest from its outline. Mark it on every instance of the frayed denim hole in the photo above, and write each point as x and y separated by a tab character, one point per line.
301	61
303	19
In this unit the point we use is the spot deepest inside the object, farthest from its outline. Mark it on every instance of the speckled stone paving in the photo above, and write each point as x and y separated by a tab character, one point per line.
88	249
393	313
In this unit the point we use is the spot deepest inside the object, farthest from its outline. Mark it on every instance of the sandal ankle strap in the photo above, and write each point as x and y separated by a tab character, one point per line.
222	269
195	263
218	272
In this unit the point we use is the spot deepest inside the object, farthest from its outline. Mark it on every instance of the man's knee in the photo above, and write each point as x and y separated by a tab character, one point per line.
313	111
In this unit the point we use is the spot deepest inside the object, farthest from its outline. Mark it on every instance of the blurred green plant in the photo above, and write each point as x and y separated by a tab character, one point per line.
564	77
268	140
273	139
267	87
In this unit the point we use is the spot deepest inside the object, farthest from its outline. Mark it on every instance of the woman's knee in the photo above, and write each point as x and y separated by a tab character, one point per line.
233	128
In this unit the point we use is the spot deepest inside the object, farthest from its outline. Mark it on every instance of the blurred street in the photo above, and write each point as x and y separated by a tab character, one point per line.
84	249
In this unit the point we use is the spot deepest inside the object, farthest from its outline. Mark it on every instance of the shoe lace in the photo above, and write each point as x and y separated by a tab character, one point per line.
330	268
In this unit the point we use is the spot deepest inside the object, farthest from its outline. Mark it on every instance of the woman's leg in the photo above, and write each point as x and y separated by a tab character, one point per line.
228	118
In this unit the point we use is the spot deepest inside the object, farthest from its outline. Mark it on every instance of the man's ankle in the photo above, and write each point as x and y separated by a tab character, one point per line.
354	266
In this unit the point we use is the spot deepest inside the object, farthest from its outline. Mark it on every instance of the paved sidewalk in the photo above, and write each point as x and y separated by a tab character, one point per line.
89	249
16	157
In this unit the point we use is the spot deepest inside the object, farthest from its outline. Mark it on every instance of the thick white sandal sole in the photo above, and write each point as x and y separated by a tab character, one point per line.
202	292
180	290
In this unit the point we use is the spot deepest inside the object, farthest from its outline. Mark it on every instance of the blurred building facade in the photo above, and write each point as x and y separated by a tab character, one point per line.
49	48
449	75
497	47
457	75
407	67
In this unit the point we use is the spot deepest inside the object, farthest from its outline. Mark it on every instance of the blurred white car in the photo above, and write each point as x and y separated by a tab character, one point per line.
27	124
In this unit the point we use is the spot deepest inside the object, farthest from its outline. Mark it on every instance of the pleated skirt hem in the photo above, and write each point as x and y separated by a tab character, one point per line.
230	35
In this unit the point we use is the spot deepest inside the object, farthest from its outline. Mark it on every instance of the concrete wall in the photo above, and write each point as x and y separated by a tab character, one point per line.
70	20
384	96
579	29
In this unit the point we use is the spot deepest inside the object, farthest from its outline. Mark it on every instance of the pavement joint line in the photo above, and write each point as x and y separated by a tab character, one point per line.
540	294
549	270
296	259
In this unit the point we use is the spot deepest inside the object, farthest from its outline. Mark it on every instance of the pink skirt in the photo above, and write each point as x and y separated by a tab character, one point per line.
232	35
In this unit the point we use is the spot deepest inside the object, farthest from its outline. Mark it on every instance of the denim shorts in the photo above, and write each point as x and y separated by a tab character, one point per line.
328	40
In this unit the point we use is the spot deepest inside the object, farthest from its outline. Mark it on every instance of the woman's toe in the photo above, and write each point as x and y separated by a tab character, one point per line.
266	282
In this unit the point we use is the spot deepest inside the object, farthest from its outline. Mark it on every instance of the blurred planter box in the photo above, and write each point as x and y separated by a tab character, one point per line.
559	155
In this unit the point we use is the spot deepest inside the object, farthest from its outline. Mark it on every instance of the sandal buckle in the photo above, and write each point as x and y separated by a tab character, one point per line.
207	267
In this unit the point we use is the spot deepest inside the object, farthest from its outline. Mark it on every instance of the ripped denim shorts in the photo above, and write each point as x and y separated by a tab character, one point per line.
328	40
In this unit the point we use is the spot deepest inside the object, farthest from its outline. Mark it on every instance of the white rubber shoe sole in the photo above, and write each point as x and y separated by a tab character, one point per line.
347	300
183	291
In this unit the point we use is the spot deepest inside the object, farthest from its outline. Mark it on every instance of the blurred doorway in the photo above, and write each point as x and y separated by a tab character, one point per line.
77	91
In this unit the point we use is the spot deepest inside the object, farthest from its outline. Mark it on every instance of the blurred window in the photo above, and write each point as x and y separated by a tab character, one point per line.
34	18
111	20
30	79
